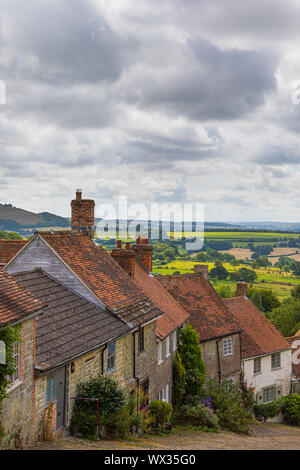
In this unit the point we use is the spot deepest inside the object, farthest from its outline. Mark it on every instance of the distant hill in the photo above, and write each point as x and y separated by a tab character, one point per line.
14	218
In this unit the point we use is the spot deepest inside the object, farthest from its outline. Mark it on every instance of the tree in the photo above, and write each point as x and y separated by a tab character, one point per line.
192	362
243	274
264	299
218	272
286	318
179	374
224	292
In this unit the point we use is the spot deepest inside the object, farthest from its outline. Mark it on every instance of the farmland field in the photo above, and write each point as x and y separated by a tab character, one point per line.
267	278
247	236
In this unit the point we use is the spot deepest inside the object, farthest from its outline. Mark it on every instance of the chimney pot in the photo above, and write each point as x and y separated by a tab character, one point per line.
78	194
145	241
127	245
119	243
138	240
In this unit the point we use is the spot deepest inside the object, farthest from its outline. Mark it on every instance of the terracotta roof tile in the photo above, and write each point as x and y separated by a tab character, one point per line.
16	302
208	314
70	325
9	248
102	275
173	313
258	335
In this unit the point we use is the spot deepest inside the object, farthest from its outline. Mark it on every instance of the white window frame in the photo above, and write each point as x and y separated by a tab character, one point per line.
277	359
160	352
175	340
227	347
168	349
167	394
266	394
255	372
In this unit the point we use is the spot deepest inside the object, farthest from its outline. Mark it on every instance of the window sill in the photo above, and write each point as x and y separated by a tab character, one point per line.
110	371
13	386
160	362
168	355
257	373
275	368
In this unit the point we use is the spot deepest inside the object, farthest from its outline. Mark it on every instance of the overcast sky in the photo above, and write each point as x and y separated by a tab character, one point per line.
175	100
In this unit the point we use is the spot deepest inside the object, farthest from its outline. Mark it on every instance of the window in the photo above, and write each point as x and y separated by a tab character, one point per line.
257	365
141	339
175	340
168	346
111	356
275	362
15	377
227	346
167	393
50	392
160	353
269	394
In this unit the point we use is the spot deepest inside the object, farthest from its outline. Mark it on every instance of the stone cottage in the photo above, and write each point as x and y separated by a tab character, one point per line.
137	261
18	307
218	331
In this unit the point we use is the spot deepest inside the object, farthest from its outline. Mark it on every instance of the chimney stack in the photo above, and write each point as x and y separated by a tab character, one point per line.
241	288
201	270
83	214
144	252
125	258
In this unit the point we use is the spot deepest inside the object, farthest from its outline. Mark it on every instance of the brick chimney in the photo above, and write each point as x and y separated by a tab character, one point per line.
83	214
241	288
144	252
201	270
125	258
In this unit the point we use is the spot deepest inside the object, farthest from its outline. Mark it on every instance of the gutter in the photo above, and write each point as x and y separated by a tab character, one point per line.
219	363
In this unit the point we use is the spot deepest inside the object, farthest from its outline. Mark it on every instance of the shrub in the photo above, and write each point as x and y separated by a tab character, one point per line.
178	391
268	410
199	415
114	410
291	409
190	353
160	413
227	403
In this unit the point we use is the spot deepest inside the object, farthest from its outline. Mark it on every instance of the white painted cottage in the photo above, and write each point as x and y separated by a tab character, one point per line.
266	354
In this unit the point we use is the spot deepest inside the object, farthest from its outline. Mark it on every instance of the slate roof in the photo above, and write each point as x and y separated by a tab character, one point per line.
102	275
9	248
70	325
258	335
16	302
173	313
208	314
295	346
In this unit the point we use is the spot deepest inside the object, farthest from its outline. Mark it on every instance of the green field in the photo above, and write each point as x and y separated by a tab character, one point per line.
267	278
242	236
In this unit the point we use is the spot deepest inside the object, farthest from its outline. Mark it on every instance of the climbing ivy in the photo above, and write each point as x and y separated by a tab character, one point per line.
9	335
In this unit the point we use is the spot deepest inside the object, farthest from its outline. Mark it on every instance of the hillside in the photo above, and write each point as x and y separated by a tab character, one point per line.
14	218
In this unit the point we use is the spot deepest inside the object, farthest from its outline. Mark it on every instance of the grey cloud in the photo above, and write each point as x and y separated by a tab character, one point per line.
217	84
279	156
62	41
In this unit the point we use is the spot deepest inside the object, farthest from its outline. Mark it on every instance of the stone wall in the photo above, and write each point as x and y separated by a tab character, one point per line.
18	408
230	366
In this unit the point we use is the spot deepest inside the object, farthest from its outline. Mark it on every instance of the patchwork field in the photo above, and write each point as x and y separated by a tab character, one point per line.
267	278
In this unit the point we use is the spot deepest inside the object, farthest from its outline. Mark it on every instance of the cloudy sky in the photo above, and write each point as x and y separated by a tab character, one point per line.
163	101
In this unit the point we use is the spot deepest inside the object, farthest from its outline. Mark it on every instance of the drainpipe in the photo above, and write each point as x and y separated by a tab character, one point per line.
218	356
102	359
134	367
